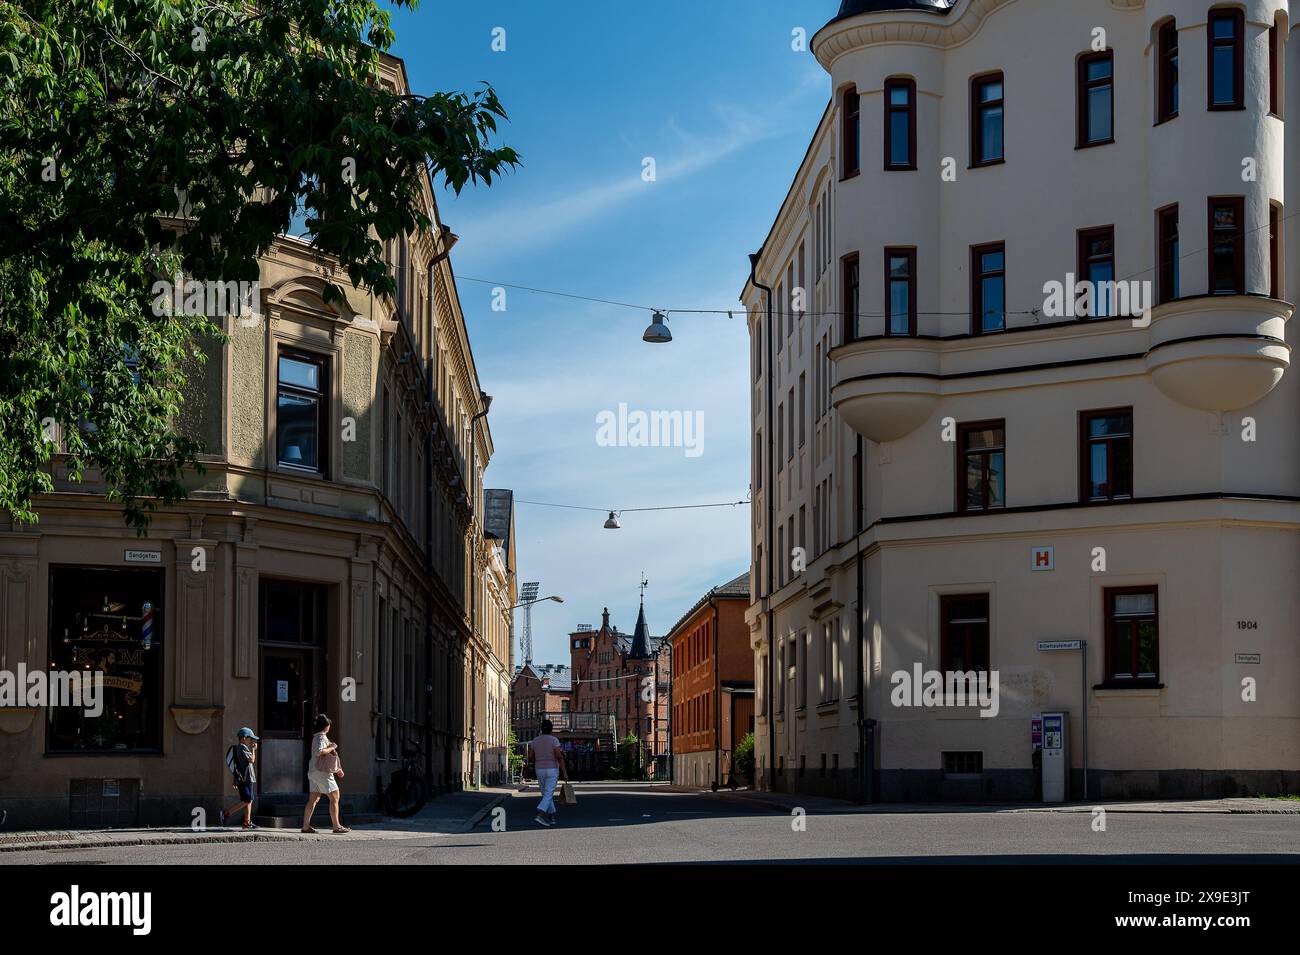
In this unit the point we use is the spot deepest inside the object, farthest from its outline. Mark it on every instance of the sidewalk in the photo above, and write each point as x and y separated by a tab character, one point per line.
823	805
450	814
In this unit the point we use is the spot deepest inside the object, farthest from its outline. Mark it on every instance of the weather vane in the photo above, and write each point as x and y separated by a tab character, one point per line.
644	584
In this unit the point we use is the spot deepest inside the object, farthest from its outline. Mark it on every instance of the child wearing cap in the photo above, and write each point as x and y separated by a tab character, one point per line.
245	754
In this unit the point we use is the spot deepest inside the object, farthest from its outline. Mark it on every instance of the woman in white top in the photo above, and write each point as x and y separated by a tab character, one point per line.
322	766
548	761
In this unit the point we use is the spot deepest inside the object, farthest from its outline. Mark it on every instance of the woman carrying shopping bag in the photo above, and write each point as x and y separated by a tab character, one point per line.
322	768
548	761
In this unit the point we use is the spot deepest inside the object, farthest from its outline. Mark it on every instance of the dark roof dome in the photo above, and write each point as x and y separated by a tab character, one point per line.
851	8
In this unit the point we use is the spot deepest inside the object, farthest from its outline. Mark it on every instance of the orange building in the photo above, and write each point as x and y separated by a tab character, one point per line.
712	684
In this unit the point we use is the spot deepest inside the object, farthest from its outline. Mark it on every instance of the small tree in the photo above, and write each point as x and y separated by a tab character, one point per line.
627	762
742	760
515	754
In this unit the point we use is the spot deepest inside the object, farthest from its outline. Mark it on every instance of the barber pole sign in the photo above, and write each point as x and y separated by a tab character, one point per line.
146	626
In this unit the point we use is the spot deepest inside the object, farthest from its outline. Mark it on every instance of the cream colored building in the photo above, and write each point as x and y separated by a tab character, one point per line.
968	471
326	561
499	591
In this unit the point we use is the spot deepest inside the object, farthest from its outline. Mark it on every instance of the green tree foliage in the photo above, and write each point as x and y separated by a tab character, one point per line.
627	761
742	760
142	139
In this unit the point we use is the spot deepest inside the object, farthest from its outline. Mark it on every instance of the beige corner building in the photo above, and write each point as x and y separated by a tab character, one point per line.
333	558
969	438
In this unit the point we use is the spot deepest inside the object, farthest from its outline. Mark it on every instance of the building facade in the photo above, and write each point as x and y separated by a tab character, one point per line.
499	594
325	562
540	691
623	681
1030	300
713	685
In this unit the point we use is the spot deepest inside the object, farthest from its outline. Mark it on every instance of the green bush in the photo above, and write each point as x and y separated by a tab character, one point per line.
627	762
742	760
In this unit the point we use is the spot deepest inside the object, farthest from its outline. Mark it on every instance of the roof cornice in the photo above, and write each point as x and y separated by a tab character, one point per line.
901	26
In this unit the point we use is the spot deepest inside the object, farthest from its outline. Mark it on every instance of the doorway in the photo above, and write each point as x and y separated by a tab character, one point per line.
292	644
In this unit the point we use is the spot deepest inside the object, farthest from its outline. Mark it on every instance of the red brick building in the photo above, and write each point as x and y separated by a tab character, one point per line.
622	680
539	691
712	684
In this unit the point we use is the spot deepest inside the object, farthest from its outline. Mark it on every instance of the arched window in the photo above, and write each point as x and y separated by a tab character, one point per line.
1167	72
850	129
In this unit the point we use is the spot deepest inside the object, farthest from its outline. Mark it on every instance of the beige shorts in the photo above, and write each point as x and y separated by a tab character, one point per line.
321	782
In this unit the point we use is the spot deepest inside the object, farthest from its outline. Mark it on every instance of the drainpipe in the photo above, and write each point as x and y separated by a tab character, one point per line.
864	771
717	699
768	494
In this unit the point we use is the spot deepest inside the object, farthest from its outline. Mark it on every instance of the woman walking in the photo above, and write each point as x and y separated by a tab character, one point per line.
322	767
548	761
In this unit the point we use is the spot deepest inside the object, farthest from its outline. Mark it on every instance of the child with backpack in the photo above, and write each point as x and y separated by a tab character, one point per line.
239	760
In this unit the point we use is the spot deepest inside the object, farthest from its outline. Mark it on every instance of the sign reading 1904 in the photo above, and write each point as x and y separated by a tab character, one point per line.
1247	625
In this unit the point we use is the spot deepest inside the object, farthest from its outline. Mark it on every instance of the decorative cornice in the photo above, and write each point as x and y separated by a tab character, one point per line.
874	29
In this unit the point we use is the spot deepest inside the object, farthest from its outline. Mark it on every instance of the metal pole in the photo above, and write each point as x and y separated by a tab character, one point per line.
1085	720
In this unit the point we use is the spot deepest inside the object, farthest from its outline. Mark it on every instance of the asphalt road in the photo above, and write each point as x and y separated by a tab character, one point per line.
629	825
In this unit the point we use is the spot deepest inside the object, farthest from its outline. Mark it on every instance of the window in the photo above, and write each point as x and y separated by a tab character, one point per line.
900	124
1227	59
1167	73
301	411
789	444
1132	635
849	310
852	150
1274	70
801	670
962	763
900	291
758	459
803	404
780	436
1106	455
964	632
830	661
110	621
1097	268
1227	245
981	465
1274	250
1096	99
1167	244
988	288
986	120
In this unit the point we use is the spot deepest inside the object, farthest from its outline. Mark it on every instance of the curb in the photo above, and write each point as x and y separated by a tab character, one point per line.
38	843
967	808
479	816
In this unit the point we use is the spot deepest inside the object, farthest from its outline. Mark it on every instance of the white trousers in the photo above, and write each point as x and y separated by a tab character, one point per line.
546	780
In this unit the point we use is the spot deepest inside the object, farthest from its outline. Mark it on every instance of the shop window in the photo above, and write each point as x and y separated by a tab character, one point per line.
109	621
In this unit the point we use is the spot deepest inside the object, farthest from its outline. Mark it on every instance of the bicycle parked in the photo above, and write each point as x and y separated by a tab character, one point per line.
407	789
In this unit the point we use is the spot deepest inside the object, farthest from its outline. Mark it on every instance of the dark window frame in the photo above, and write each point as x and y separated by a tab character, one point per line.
1275	70
1274	250
963	429
977	108
908	84
1167	78
946	634
849	311
1168	271
1083	86
1084	261
1110	681
1238	44
1086	441
1238	203
909	252
851	133
977	286
321	394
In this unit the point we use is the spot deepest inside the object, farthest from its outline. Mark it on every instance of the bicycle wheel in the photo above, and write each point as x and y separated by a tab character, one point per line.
406	794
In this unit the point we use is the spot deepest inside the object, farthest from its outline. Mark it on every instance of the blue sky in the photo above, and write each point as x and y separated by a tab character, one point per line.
715	95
